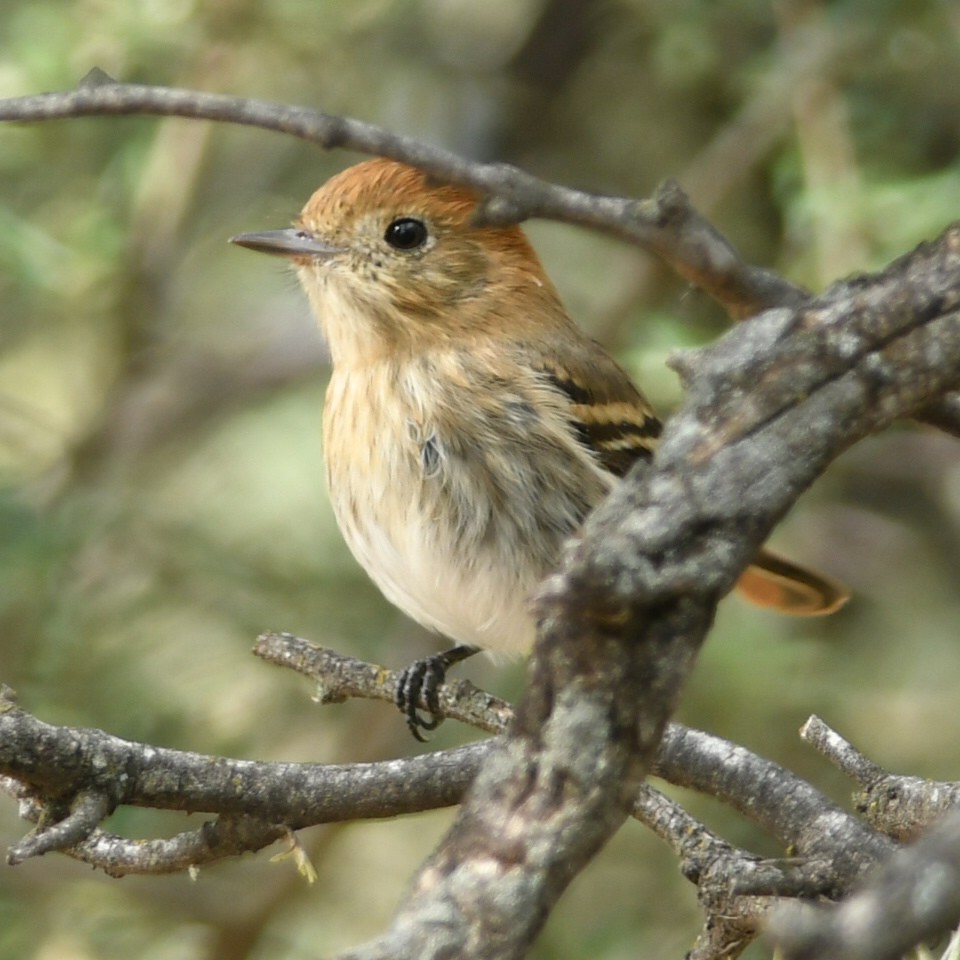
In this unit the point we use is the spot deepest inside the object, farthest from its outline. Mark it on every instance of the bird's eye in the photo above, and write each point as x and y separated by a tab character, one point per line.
406	233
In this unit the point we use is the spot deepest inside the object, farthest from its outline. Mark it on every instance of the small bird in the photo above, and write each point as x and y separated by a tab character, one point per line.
469	425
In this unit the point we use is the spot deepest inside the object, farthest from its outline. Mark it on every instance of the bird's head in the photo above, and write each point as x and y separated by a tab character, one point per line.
389	258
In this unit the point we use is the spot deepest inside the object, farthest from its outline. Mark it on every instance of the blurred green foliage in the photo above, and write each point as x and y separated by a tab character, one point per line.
161	496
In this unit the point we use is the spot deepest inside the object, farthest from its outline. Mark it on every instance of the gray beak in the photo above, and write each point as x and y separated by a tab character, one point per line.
291	242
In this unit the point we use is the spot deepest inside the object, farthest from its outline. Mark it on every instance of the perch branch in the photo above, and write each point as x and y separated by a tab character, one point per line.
839	847
57	762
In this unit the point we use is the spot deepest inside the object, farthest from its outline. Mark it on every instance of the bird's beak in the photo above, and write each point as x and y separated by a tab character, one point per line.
291	242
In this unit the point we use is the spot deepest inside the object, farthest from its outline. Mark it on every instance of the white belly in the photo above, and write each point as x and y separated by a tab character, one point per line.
481	606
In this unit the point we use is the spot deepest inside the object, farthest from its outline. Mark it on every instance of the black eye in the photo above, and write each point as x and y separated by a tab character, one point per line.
406	233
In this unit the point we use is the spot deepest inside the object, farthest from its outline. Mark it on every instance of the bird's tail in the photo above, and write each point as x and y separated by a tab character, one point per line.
779	584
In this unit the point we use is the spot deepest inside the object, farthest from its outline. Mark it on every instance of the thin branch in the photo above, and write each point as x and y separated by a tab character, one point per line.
666	224
902	807
61	761
119	856
338	678
723	873
734	887
733	921
42	764
87	810
842	754
838	846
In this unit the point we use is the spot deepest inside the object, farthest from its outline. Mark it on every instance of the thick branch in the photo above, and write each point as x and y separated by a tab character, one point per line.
787	807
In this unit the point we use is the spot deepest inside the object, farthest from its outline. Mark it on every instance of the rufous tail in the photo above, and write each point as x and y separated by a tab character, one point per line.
779	584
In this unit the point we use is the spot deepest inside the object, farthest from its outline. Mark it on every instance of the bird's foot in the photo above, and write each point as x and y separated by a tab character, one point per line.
418	689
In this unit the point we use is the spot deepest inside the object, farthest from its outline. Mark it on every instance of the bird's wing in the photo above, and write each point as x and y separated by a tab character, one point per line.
610	416
615	422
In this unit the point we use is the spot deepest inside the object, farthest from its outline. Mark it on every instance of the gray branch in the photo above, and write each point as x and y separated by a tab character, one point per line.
901	807
915	896
257	803
666	224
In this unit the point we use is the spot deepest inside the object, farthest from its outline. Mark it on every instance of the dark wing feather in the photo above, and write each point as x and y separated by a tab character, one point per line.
609	414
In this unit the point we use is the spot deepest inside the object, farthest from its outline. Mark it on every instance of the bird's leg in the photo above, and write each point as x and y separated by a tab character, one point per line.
419	685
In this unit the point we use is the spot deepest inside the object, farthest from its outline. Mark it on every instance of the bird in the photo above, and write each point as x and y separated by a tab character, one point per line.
469	425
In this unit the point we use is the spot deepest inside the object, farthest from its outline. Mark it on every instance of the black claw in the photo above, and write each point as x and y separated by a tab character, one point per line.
420	685
418	689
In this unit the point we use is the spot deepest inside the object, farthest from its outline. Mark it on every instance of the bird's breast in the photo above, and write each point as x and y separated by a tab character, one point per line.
416	518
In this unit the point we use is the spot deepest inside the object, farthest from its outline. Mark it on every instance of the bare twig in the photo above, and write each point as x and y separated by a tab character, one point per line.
902	807
842	754
58	762
119	856
339	677
266	798
836	848
734	887
666	225
87	810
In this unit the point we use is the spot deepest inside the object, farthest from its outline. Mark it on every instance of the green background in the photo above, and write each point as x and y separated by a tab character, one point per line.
161	495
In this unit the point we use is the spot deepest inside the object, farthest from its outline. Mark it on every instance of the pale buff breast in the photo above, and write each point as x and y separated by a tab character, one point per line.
393	508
